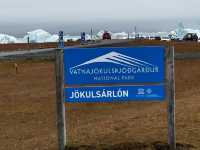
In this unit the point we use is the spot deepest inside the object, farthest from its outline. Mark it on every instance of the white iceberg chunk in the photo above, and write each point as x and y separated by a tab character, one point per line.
120	35
53	38
5	39
37	36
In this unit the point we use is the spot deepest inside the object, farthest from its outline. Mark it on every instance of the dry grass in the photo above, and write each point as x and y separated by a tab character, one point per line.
28	115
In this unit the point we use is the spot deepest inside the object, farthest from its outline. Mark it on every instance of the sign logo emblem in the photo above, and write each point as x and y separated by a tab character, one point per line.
117	58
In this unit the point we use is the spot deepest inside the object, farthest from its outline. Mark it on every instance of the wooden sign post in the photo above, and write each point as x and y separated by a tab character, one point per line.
171	102
60	99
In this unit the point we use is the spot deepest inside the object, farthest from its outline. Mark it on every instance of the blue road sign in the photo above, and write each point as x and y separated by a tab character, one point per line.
113	65
61	40
115	93
83	37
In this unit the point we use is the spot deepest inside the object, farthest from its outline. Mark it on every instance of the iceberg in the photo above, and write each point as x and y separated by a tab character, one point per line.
53	38
70	37
120	35
37	36
5	39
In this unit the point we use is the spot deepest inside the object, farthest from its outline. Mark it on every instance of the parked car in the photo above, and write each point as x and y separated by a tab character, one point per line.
190	37
106	36
158	38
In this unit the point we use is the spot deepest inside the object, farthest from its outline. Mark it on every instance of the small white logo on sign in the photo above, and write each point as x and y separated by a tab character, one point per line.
141	91
149	91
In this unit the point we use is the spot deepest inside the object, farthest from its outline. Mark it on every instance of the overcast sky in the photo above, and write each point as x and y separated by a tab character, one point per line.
74	12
